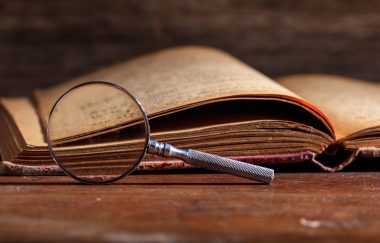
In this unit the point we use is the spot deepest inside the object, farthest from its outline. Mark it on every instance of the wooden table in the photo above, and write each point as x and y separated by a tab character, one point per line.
193	207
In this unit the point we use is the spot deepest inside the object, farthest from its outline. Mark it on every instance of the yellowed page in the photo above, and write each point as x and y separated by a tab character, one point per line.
351	105
175	78
26	119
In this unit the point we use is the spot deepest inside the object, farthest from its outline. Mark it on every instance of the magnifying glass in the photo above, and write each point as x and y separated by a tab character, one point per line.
98	132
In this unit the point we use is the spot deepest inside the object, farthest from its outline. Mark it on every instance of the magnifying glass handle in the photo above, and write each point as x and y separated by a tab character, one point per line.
212	162
229	166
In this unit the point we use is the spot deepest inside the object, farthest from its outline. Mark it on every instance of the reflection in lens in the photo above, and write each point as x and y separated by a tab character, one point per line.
97	132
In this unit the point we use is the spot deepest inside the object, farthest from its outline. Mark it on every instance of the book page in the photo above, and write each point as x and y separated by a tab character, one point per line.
352	105
176	78
25	118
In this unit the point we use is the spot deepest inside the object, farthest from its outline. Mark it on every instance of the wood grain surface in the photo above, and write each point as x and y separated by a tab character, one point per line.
44	42
310	207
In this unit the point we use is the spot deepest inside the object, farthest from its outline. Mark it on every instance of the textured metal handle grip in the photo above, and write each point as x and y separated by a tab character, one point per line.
229	166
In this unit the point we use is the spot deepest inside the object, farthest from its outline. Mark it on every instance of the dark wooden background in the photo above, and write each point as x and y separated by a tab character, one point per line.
44	41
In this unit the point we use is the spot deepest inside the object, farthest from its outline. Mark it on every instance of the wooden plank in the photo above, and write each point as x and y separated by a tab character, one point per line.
45	42
193	207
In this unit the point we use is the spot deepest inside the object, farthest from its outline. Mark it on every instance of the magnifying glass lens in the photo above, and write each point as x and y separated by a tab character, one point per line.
97	132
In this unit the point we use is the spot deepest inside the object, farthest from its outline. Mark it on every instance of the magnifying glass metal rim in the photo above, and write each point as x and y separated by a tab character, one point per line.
147	133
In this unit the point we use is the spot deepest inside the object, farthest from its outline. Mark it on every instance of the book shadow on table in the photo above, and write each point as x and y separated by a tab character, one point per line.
137	180
359	165
41	182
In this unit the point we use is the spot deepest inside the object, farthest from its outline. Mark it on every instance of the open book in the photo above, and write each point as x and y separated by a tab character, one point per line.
205	99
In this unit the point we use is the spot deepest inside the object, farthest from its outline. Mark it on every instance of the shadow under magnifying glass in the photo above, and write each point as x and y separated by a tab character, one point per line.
198	177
